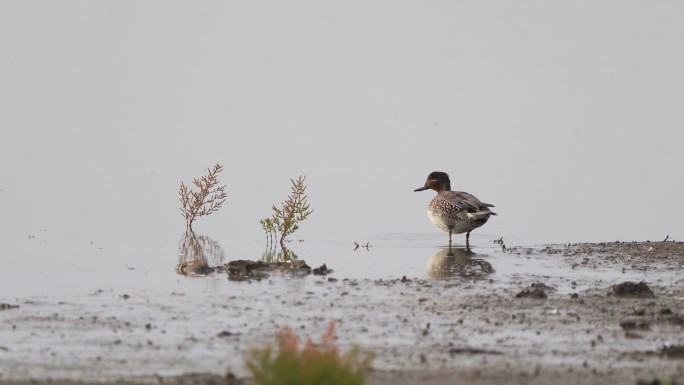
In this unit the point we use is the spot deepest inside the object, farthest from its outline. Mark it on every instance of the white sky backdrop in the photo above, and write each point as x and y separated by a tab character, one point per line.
567	115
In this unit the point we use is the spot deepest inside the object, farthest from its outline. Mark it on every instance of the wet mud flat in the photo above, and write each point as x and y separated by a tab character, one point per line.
607	313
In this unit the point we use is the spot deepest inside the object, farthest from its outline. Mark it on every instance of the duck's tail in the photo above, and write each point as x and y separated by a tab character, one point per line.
480	214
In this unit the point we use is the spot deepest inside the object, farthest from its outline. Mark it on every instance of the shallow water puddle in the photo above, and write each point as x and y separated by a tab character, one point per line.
414	306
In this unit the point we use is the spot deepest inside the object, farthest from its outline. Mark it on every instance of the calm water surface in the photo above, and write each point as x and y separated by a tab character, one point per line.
48	269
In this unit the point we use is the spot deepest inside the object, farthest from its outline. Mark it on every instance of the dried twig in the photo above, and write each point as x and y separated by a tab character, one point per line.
207	200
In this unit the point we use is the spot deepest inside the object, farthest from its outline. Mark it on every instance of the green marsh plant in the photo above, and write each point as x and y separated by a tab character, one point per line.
292	363
285	219
207	200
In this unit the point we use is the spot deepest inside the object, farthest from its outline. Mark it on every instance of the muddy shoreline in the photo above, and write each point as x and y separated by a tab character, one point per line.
470	327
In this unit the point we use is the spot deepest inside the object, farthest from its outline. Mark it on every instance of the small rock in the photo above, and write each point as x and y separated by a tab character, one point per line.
631	289
664	311
542	286
633	335
673	319
655	381
194	267
536	290
322	270
241	270
672	351
632	323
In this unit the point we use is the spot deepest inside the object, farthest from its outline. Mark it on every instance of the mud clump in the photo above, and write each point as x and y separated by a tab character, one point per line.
7	306
633	323
672	351
657	381
196	379
536	290
472	351
322	270
242	270
194	267
631	289
672	319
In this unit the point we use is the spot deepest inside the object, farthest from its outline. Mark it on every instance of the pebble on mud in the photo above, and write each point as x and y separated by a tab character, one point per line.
631	289
656	381
471	351
322	270
631	323
194	267
672	351
536	290
240	270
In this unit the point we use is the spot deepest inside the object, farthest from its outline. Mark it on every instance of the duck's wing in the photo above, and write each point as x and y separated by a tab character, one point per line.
463	201
457	202
471	199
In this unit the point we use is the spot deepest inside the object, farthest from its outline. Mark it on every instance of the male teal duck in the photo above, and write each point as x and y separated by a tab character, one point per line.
455	212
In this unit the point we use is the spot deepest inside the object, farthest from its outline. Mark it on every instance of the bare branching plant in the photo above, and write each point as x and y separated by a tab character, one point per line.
208	199
285	219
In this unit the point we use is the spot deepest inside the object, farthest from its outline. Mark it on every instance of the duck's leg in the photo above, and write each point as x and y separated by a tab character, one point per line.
468	239
449	237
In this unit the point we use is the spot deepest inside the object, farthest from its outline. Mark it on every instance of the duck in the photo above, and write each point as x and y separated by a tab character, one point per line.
455	212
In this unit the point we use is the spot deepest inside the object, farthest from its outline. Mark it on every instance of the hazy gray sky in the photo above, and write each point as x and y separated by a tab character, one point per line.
564	114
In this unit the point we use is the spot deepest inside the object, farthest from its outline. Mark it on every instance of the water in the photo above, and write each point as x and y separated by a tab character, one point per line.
101	314
101	317
49	269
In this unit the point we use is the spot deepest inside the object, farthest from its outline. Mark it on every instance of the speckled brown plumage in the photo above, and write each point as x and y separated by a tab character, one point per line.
454	211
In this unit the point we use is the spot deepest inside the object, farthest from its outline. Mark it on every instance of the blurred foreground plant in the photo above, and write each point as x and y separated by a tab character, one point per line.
309	364
285	220
207	200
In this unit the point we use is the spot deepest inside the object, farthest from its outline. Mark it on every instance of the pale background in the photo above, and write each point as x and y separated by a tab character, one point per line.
566	115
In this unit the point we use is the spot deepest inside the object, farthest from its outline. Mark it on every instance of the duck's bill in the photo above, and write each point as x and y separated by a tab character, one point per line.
421	188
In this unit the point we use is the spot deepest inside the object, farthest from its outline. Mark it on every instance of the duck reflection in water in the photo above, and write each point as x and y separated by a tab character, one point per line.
453	262
199	255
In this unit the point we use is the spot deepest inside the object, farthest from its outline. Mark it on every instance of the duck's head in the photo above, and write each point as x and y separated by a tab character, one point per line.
438	181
